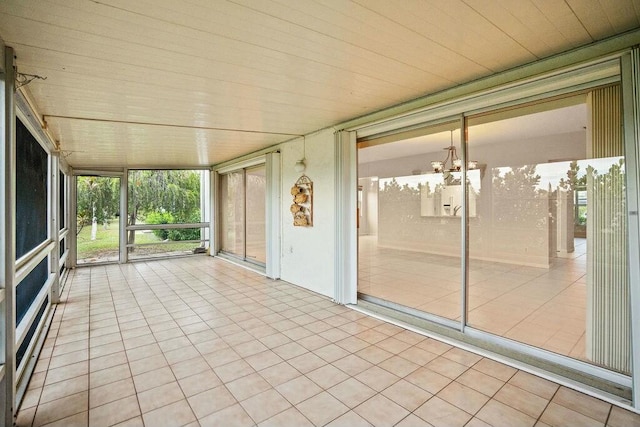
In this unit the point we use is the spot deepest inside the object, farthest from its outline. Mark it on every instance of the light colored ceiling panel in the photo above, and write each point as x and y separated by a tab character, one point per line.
99	144
367	30
602	18
561	16
220	20
618	14
455	26
195	82
525	24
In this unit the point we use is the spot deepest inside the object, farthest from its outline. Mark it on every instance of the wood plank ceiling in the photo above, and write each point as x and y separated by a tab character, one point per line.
178	83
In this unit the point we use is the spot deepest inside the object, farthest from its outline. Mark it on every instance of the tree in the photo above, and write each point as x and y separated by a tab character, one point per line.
164	194
101	193
517	198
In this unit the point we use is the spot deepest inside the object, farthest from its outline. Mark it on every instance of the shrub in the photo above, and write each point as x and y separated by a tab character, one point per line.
160	217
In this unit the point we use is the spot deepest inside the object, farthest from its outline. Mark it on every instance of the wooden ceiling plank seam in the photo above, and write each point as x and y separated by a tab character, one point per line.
305	34
195	80
78	90
307	40
80	155
386	38
432	24
301	49
590	15
363	67
423	23
536	28
275	94
275	61
618	13
636	8
41	63
206	95
565	21
275	99
512	26
199	68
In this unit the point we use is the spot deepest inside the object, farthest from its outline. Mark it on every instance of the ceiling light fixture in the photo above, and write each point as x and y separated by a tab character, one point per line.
456	162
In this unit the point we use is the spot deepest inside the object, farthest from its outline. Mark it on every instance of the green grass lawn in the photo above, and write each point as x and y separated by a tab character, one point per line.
105	246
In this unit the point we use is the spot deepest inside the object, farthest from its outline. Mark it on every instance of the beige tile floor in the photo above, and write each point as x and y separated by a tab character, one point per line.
542	307
201	342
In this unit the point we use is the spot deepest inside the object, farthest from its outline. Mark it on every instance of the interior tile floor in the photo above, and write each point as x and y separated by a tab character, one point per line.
201	342
542	307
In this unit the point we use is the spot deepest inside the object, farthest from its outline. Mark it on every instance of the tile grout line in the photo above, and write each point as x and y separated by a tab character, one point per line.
539	419
124	278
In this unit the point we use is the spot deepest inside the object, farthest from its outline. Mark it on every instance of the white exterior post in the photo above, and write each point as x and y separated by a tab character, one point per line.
346	238
214	243
124	216
7	236
72	214
630	70
54	226
273	219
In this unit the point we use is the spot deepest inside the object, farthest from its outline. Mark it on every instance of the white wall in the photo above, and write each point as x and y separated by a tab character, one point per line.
308	252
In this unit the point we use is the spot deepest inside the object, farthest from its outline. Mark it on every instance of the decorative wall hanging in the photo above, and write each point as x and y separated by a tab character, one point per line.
302	207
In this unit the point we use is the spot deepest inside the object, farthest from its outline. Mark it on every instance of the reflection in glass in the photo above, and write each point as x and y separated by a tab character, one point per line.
243	213
232	212
410	222
547	247
256	214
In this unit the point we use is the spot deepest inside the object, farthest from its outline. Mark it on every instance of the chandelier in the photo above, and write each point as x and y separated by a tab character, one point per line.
455	161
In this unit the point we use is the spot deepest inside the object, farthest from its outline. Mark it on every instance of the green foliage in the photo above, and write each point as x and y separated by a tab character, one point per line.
609	188
174	195
517	198
582	215
174	191
161	217
573	182
101	193
184	234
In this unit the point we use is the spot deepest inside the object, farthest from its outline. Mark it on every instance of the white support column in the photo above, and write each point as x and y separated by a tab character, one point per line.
72	215
214	235
7	236
54	225
124	216
630	69
273	216
205	204
67	214
346	243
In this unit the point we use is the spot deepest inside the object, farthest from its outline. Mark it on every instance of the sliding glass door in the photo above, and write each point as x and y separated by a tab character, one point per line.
243	213
255	236
547	250
410	219
532	250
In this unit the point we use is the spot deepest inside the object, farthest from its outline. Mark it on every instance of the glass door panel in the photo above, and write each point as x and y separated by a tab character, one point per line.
256	182
98	209
232	204
409	219
547	248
